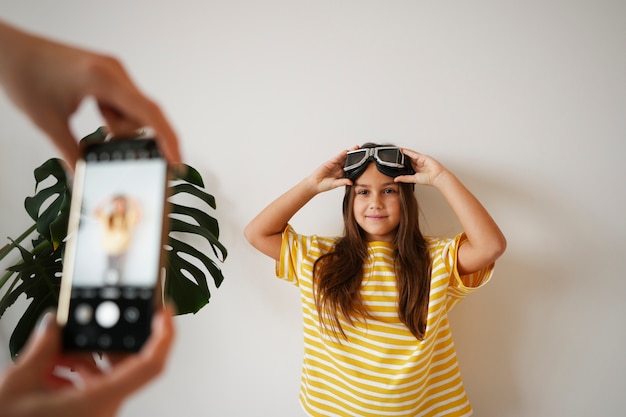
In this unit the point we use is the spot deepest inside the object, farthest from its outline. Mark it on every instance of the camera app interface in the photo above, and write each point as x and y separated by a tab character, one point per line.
117	251
119	234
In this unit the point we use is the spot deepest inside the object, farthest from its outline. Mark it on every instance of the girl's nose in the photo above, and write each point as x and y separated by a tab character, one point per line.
376	201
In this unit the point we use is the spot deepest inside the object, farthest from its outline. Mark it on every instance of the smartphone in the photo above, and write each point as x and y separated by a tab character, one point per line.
112	266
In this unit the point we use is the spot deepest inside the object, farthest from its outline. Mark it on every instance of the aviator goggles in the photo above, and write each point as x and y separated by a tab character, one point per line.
388	159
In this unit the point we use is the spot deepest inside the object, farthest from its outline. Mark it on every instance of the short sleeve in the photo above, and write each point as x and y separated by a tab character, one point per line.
463	285
293	247
298	254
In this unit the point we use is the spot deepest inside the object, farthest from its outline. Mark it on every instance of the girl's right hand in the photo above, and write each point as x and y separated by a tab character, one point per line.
330	174
265	231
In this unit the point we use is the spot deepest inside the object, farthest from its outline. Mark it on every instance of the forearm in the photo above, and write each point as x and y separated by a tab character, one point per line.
485	240
264	232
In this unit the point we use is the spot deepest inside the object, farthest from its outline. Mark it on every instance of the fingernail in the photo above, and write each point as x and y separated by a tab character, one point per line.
170	306
45	321
179	170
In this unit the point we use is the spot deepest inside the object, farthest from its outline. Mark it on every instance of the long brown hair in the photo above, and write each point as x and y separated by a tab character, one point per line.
339	273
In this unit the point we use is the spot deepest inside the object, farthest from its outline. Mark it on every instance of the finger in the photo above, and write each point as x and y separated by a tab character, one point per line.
406	179
56	382
78	362
417	160
340	157
63	138
162	338
115	358
336	163
341	182
39	354
124	117
410	153
134	372
63	377
124	107
165	135
118	123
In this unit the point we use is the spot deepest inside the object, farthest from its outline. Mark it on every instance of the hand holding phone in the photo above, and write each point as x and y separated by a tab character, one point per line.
113	262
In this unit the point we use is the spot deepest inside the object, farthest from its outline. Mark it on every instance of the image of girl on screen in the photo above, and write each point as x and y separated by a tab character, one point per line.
118	217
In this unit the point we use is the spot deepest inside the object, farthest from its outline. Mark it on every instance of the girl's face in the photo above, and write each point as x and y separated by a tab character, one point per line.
377	205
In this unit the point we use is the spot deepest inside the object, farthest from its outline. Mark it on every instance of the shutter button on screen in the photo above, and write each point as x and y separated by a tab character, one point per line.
107	314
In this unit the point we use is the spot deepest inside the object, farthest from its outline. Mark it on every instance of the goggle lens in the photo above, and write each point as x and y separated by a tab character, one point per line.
356	158
390	156
389	159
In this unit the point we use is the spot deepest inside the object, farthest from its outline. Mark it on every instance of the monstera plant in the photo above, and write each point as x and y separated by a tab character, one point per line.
37	272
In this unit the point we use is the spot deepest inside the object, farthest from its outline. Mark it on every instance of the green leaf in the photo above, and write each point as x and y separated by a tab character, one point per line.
190	295
99	135
10	296
188	174
184	293
201	218
182	247
180	226
58	227
28	321
196	192
39	276
57	207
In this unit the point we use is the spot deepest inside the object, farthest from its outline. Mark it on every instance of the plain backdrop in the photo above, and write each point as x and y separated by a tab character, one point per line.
524	101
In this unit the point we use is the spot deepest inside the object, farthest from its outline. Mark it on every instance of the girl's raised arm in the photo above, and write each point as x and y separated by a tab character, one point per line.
264	232
485	240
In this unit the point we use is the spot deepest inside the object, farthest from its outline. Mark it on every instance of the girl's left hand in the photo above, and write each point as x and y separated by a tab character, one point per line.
427	169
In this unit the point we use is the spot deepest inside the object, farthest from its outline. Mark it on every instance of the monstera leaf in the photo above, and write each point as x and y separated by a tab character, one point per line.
186	283
37	275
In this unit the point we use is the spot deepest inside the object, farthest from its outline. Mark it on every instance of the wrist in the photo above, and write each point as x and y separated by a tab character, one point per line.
443	178
310	186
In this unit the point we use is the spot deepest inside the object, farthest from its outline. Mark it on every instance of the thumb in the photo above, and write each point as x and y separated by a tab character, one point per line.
341	182
39	354
405	178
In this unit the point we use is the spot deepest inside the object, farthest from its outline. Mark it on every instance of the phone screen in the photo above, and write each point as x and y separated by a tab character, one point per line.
113	261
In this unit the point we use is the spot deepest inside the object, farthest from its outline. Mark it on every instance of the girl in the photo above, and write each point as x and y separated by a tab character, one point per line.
118	216
377	340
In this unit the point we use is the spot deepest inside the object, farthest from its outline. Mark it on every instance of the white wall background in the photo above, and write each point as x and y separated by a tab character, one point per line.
525	101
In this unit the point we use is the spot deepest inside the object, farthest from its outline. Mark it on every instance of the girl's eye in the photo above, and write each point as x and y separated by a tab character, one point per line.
389	191
362	192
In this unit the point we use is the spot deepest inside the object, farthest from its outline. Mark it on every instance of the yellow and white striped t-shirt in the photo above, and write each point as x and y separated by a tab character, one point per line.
381	369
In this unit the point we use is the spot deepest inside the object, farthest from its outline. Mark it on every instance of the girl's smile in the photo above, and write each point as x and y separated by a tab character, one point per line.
377	205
